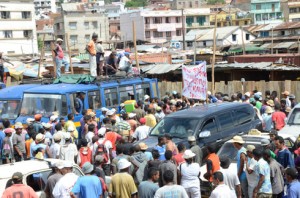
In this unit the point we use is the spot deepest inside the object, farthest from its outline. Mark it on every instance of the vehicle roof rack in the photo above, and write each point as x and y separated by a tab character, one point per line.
42	81
117	78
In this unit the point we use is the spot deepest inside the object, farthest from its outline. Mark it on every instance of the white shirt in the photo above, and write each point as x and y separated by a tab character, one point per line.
55	150
189	175
107	144
253	177
230	179
64	186
222	191
124	62
62	135
68	152
89	136
141	132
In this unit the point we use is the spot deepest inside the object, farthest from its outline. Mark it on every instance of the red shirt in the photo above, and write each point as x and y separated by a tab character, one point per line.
19	191
279	118
178	158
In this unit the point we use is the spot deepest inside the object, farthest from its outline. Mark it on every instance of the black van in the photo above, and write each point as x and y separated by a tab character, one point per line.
211	124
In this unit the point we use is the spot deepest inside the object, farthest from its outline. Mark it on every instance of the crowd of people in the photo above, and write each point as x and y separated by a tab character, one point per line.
112	145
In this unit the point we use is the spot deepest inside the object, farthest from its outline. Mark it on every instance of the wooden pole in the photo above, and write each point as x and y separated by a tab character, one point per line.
243	42
69	52
195	50
134	43
183	29
53	58
42	57
272	42
213	59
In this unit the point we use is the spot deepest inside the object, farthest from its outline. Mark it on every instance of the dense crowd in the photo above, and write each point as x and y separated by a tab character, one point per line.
112	145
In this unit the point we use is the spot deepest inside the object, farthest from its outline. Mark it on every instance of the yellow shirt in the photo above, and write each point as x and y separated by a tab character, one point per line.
122	186
92	48
150	120
67	125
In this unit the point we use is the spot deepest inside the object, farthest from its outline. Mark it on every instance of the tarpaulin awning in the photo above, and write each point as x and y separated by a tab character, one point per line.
75	79
248	48
163	68
284	45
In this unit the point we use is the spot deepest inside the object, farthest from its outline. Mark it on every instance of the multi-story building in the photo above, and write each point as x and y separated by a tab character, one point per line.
266	11
44	6
17	27
293	10
183	4
158	26
79	22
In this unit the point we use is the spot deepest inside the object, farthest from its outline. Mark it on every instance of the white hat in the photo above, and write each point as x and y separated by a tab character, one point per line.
104	109
102	131
39	137
59	39
114	110
123	163
122	105
71	129
247	94
59	165
208	93
18	125
238	139
188	154
146	97
250	148
174	92
110	113
191	139
67	135
68	164
56	137
53	118
131	115
46	125
29	120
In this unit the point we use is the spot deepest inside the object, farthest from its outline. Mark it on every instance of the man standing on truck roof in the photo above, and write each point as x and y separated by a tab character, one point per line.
91	49
59	58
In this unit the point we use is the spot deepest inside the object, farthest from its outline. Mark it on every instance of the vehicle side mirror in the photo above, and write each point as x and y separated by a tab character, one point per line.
204	134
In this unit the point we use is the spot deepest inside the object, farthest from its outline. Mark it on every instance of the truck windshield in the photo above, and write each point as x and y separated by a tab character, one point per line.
294	118
177	127
44	104
9	109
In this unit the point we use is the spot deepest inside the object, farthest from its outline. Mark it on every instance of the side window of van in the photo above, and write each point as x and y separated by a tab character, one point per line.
210	125
76	101
153	84
38	180
64	106
225	121
243	115
126	93
94	100
142	90
111	97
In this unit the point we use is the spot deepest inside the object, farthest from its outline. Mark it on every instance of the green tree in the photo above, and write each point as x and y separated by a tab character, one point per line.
136	3
213	2
40	43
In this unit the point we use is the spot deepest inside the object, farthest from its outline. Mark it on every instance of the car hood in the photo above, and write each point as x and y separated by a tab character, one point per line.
203	170
293	130
151	141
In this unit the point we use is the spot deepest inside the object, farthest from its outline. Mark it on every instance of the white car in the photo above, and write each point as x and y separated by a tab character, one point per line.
292	126
35	173
228	150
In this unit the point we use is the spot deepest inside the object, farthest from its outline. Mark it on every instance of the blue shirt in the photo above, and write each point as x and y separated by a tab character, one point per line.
88	187
2	136
263	168
238	157
79	105
161	151
293	189
284	157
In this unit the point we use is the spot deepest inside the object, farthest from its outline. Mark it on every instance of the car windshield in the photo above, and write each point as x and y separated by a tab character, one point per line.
228	150
294	118
177	127
9	109
44	104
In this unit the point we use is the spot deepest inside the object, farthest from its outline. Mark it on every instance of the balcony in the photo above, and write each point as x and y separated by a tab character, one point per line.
156	26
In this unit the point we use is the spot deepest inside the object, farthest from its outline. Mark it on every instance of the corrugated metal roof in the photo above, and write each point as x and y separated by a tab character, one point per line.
145	47
284	45
163	68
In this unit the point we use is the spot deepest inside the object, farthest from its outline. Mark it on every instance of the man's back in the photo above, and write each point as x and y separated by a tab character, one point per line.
222	191
19	190
64	186
122	186
284	157
147	189
88	186
167	165
171	191
230	179
199	155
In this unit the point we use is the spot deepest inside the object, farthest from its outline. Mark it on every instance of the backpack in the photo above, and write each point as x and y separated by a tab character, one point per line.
85	156
101	150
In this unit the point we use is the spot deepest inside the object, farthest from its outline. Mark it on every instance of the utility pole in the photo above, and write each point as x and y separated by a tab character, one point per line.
183	29
214	59
272	42
42	57
32	37
195	49
134	43
69	52
243	42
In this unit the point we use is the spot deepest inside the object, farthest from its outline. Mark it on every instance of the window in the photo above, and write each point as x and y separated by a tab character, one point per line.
119	28
147	20
94	100
26	15
126	93
86	25
157	20
95	24
5	15
74	39
273	7
196	4
201	20
157	34
178	20
191	5
282	33
178	32
27	33
183	5
142	90
243	116
111	97
247	37
189	20
234	37
168	34
189	44
7	34
225	121
210	125
38	181
147	34
168	20
9	109
258	7
73	25
87	38
154	89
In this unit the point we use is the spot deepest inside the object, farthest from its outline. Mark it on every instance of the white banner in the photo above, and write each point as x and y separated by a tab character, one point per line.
195	81
166	27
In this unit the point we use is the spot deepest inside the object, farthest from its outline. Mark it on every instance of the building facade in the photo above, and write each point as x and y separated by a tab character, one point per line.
79	23
294	10
183	4
17	28
44	6
266	11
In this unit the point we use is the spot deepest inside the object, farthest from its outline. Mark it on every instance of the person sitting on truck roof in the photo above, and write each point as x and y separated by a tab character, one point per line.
79	103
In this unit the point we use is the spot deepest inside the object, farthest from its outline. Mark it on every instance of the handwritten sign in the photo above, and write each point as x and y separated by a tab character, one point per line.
195	81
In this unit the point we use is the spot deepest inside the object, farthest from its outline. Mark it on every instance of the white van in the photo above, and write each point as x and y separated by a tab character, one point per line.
292	126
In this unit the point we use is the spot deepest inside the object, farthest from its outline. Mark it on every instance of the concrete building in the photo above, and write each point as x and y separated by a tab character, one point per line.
292	10
44	6
80	22
266	11
45	27
197	18
183	4
17	28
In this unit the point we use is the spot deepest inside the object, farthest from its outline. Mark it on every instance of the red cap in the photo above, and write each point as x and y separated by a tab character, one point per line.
37	116
143	120
9	130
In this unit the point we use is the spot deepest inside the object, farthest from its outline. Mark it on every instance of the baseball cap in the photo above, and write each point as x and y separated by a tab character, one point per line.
142	120
47	125
123	163
59	165
18	125
39	137
146	97
104	109
71	129
102	131
29	120
87	167
131	115
37	116
191	138
67	136
250	148
53	118
17	175
9	130
56	137
68	164
110	113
